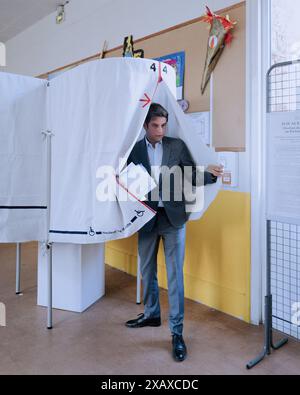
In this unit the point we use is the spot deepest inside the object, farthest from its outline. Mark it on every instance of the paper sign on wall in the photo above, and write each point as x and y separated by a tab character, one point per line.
283	166
230	161
201	122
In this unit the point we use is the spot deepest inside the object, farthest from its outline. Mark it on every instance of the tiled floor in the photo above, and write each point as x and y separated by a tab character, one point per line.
97	342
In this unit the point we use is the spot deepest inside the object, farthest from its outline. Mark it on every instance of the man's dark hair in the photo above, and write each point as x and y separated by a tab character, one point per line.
156	110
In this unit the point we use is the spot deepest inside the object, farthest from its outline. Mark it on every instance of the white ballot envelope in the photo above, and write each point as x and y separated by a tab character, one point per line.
137	181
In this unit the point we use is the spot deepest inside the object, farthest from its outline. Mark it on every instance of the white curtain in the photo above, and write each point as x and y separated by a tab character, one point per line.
96	113
22	158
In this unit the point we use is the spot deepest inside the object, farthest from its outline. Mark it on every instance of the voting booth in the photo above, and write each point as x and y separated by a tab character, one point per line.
64	147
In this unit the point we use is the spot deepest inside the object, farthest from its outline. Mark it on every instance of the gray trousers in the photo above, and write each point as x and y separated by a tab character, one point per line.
174	248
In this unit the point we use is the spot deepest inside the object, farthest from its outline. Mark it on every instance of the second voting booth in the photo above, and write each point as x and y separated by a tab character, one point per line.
60	143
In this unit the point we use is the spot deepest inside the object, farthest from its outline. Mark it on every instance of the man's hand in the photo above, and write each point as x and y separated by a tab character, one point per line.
215	170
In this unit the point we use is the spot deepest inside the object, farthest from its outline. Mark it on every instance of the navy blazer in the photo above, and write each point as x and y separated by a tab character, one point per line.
175	153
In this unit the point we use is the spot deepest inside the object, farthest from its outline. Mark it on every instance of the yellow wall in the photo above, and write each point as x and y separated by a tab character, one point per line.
217	264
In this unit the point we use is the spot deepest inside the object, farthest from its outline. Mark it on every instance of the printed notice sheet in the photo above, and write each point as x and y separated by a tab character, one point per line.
283	166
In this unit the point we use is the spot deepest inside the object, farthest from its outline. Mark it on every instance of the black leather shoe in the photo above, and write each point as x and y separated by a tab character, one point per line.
142	321
179	348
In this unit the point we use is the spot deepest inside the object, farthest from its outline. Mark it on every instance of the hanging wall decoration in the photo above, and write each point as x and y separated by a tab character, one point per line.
219	36
139	53
128	49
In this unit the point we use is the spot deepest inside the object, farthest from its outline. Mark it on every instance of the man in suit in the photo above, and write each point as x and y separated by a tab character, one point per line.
156	152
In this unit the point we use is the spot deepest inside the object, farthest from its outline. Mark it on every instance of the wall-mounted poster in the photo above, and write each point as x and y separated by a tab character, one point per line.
201	121
177	61
283	167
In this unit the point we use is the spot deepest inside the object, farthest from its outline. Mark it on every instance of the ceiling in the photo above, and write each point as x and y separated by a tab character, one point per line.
18	15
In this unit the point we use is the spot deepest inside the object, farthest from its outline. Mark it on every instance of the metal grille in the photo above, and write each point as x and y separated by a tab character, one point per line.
285	276
284	88
284	248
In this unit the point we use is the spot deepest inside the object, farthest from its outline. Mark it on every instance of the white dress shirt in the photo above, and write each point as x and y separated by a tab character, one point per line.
155	155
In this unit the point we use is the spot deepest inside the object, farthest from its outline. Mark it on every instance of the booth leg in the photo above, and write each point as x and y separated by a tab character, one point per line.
49	310
138	281
18	269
